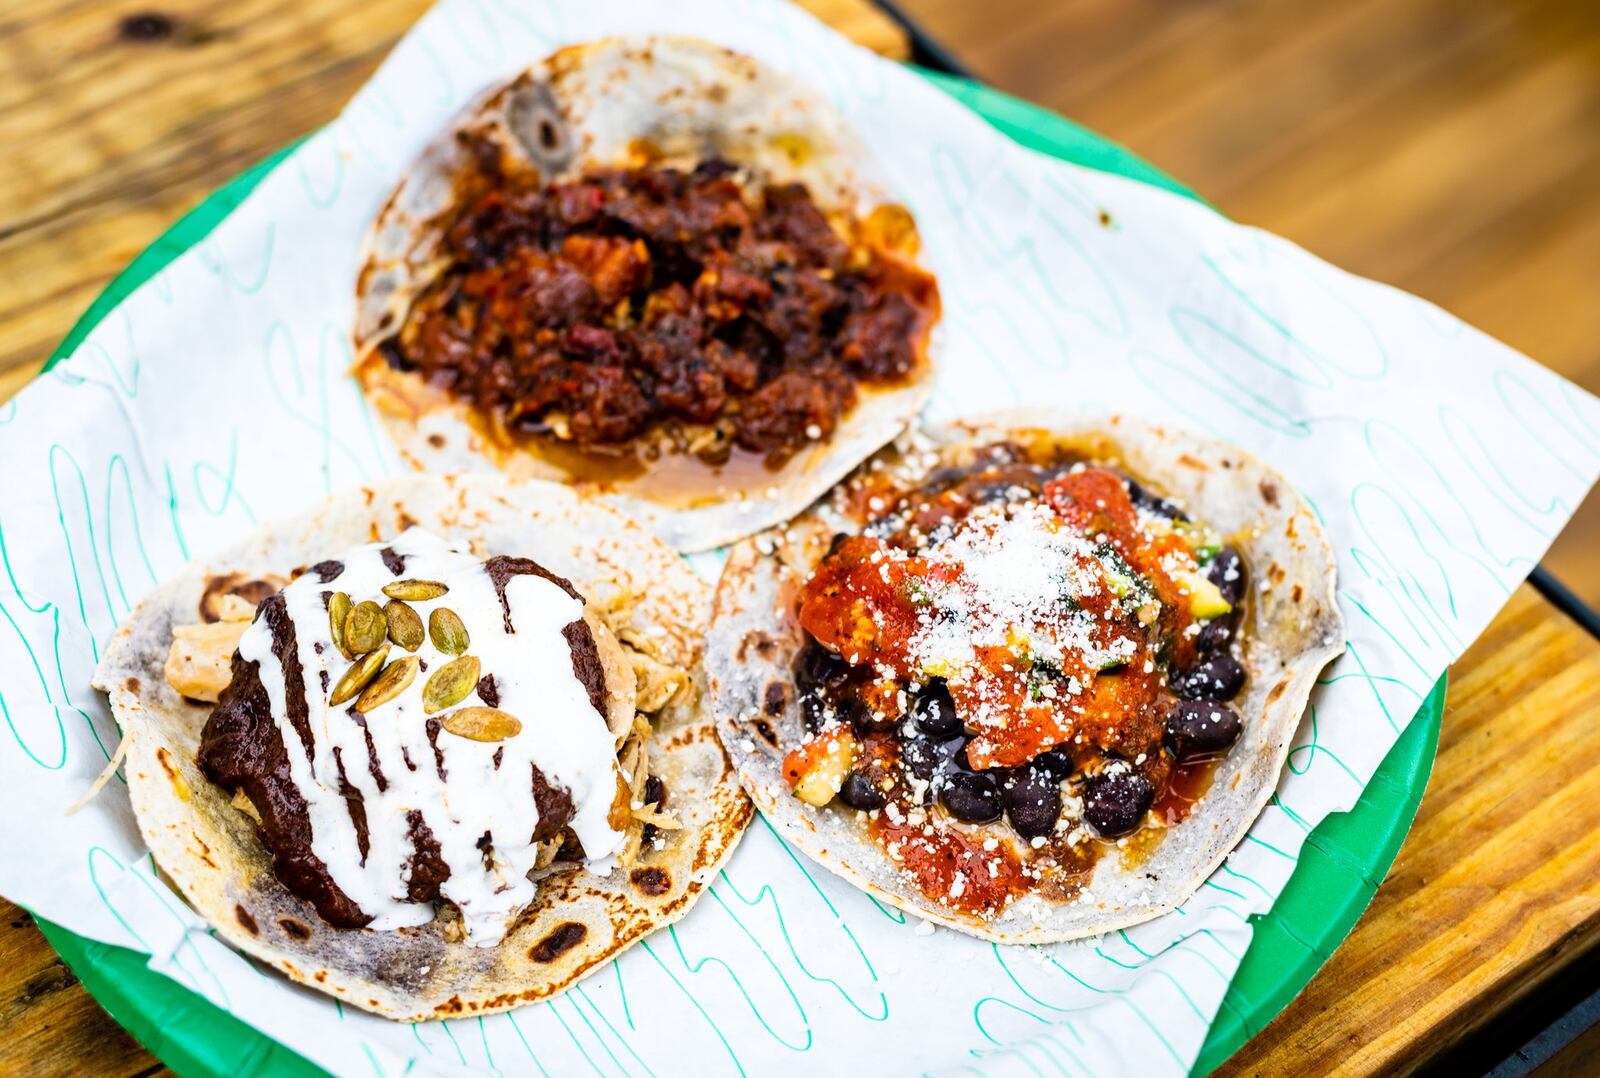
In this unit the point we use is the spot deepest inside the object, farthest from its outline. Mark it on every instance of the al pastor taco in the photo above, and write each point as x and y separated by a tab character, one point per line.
652	267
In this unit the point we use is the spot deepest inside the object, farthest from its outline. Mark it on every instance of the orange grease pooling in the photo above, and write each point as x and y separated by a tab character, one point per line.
1187	784
988	879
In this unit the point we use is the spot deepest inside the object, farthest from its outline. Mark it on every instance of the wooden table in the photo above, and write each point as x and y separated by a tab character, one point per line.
117	119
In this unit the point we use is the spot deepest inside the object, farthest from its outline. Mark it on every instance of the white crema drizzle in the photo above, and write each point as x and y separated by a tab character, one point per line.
561	734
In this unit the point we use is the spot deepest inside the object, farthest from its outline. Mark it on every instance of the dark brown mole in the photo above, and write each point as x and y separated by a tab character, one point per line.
554	804
395	563
487	691
327	570
586	665
561	939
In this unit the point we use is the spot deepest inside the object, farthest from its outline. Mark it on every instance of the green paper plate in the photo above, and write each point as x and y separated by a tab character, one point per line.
1343	862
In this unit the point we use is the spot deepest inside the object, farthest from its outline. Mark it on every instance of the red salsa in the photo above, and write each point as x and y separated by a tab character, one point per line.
1028	636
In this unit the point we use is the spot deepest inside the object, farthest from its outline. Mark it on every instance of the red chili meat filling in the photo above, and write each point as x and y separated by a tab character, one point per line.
639	306
1027	637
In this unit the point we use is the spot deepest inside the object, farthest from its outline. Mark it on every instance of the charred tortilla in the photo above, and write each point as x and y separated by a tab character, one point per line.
1027	676
656	268
642	616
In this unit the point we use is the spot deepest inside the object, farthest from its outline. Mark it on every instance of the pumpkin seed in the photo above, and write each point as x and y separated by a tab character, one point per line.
415	591
405	625
389	684
365	627
450	684
482	724
338	610
448	632
361	671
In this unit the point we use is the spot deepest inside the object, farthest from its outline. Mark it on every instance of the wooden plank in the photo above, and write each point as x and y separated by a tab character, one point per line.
1498	885
51	1025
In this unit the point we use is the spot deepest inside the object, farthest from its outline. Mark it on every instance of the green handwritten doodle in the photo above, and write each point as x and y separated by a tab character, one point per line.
247	282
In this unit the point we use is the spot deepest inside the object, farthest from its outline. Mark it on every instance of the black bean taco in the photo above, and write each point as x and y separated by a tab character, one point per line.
656	268
1027	676
437	747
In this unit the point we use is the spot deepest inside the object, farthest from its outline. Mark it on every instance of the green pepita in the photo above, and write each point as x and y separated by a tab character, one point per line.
450	684
405	625
338	610
447	631
388	685
415	591
482	724
365	627
361	671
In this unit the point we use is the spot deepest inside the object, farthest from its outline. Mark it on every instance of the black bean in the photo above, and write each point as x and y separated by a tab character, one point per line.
1201	728
1115	801
971	796
1227	572
960	758
920	756
1215	635
1032	799
1054	762
860	792
814	712
816	666
934	712
1216	677
1153	504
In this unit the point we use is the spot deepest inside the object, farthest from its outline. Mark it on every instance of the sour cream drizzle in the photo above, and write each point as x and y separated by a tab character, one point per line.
562	735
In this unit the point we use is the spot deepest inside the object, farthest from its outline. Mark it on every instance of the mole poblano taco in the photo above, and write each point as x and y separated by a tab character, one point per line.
1026	676
438	747
653	267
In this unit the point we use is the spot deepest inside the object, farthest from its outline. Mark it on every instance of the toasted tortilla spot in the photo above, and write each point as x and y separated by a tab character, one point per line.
651	880
777	698
247	922
294	928
1269	492
561	939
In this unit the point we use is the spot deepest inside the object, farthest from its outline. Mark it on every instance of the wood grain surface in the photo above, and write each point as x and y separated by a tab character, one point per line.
1445	146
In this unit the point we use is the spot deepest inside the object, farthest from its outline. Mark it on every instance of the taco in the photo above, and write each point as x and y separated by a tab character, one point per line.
1026	676
655	268
437	747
